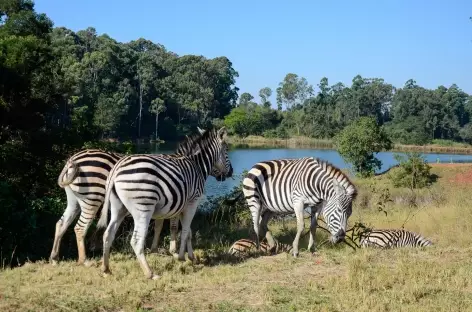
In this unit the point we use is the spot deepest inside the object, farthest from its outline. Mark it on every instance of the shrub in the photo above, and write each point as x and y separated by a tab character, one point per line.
413	172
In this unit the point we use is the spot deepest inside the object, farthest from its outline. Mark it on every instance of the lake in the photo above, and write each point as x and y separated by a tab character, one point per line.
244	158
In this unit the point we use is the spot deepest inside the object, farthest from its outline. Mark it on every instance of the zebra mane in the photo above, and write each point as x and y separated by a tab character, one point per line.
195	143
340	176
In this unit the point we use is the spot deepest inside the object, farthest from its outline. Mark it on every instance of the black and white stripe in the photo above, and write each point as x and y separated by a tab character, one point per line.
244	246
174	222
393	238
287	186
162	187
83	178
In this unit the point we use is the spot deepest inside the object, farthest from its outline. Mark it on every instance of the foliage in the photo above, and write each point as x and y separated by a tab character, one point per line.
413	172
358	142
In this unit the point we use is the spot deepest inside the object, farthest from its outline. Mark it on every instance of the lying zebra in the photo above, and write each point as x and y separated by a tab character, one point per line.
392	238
244	246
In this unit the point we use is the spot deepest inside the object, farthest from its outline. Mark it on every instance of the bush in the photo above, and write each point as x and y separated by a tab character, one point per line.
413	171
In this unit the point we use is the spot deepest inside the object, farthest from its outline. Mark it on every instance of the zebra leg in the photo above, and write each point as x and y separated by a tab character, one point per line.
174	228
88	212
313	225
298	208
141	223
187	216
118	214
254	204
64	222
265	229
158	223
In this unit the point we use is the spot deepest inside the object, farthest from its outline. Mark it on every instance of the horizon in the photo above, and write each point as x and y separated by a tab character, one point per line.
407	42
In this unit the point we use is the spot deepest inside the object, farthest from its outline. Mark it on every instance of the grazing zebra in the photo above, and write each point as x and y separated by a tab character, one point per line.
162	187
83	177
244	246
286	186
393	238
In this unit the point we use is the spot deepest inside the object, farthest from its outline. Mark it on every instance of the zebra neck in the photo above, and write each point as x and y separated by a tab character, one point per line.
204	163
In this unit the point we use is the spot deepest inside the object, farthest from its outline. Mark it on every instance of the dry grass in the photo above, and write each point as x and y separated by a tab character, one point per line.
337	279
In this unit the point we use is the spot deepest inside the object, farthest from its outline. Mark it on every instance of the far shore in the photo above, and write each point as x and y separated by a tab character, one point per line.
305	142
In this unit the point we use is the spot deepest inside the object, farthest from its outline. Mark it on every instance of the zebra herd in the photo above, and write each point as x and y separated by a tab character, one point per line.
169	186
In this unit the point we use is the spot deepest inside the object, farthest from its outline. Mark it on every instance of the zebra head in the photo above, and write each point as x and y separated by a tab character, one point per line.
337	211
223	168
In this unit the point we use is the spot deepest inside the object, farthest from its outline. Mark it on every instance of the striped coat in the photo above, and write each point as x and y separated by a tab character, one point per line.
162	187
83	178
244	246
286	186
393	238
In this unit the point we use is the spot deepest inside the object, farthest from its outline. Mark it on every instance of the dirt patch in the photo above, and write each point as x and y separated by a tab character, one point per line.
462	177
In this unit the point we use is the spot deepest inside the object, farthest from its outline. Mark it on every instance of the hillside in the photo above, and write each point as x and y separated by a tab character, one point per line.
336	279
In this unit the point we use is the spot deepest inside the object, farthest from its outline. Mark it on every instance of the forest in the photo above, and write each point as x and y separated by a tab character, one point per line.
61	91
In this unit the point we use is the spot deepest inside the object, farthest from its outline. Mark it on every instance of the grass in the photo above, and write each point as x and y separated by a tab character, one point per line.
336	279
438	146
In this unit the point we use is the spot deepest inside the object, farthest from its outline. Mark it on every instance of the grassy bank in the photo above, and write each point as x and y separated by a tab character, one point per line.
337	279
305	142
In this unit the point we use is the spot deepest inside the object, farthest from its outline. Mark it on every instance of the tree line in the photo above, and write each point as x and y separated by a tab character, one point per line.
410	115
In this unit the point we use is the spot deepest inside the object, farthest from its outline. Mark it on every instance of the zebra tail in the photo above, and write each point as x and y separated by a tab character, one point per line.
109	186
69	177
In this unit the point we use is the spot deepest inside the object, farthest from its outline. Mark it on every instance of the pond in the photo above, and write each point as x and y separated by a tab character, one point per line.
244	158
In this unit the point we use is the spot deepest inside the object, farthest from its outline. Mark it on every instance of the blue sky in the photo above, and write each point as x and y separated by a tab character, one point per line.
427	40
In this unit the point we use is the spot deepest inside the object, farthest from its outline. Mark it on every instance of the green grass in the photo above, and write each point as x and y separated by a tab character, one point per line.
335	279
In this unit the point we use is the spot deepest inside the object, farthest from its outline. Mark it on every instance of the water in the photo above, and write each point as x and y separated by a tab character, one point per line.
244	158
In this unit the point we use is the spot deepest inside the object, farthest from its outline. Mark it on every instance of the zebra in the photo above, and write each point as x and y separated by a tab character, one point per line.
162	187
393	238
244	246
286	186
83	179
174	222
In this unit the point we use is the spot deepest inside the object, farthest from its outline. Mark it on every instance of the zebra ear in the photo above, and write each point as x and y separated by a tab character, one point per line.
338	188
201	130
222	133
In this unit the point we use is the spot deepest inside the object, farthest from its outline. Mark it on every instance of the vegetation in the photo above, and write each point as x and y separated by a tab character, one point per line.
414	171
336	279
358	142
410	114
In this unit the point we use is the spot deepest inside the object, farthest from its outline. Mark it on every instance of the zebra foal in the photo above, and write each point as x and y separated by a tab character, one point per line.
286	186
244	246
393	238
162	187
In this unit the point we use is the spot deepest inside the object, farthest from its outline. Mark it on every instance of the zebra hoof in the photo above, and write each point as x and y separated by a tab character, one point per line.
53	262
155	277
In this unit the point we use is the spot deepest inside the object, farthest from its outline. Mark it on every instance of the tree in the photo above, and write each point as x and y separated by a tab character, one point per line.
157	107
358	142
293	90
265	94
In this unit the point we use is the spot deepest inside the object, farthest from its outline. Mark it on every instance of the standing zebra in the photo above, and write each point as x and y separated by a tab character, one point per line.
244	246
83	178
285	186
162	187
393	238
